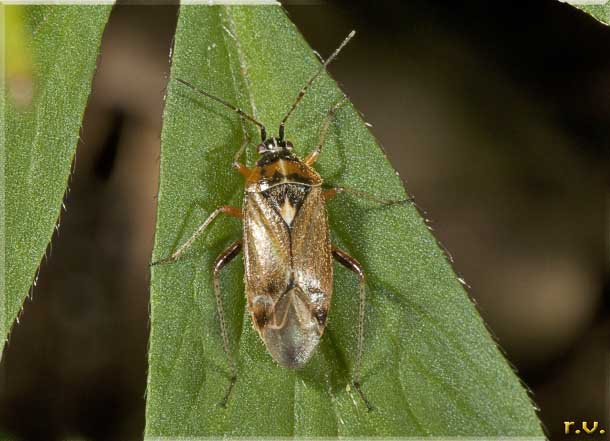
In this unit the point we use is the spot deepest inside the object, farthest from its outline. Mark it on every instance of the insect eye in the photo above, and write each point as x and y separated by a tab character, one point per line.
261	148
289	145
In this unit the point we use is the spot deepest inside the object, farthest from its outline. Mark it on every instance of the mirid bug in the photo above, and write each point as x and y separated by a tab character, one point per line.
288	254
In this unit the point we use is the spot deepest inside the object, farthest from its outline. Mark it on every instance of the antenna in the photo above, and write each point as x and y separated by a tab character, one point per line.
229	105
311	80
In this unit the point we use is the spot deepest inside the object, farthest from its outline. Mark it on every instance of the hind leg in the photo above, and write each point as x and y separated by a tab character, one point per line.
227	256
353	265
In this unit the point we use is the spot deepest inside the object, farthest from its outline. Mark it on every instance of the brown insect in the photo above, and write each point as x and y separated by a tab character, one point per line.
286	243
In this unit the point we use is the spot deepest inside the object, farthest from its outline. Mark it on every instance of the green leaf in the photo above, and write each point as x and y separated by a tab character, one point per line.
429	367
601	12
50	59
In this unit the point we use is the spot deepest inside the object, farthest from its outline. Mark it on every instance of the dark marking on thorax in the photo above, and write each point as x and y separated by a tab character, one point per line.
272	170
286	200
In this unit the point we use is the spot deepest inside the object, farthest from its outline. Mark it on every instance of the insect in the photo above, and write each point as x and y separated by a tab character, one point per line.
288	255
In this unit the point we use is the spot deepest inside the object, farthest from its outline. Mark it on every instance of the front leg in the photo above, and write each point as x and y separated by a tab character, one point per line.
353	265
313	156
237	164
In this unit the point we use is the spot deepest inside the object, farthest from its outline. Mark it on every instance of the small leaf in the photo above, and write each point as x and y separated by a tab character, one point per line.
429	366
51	56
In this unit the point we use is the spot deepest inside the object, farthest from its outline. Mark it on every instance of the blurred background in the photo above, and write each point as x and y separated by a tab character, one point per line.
497	117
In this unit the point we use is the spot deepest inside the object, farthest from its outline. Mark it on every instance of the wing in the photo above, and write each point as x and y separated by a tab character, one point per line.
311	253
266	249
288	269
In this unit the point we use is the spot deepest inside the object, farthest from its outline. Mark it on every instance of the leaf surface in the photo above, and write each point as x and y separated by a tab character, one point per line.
430	367
601	11
50	60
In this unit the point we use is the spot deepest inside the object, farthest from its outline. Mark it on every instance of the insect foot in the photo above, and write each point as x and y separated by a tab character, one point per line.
225	400
367	403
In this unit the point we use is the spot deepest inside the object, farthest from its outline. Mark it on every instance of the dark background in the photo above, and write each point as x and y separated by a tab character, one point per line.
497	116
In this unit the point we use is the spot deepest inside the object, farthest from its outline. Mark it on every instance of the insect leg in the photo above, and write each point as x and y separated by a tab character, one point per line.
331	193
226	209
352	264
222	260
313	156
239	166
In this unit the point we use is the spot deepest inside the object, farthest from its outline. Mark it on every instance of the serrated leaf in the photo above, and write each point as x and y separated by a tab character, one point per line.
429	367
50	59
